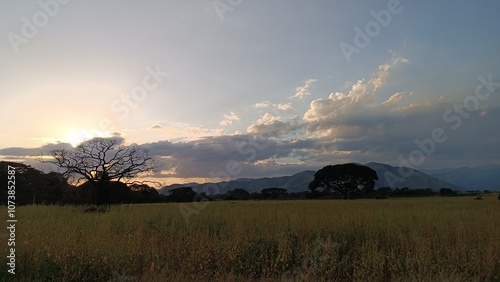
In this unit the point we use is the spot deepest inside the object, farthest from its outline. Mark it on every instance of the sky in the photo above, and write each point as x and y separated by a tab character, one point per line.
220	89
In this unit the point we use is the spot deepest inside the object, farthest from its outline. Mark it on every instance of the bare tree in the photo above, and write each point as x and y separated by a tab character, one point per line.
101	162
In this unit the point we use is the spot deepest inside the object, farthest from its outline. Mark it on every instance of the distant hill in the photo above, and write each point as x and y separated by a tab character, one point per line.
294	183
486	177
388	176
396	177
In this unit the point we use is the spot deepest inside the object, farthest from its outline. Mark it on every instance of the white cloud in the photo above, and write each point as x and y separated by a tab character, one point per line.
396	98
264	104
380	77
339	103
304	90
332	114
284	106
229	119
279	106
268	118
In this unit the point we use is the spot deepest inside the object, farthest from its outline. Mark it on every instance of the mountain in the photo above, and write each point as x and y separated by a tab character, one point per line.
399	177
486	177
299	182
294	183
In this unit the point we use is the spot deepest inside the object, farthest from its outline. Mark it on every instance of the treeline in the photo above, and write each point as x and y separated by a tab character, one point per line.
187	194
36	187
388	192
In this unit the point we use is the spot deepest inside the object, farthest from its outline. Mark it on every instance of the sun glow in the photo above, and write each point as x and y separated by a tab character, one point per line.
75	137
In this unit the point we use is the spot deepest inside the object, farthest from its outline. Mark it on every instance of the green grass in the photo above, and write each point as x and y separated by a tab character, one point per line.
428	239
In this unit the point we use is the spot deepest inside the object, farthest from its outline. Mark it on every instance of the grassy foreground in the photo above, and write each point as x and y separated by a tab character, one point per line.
431	239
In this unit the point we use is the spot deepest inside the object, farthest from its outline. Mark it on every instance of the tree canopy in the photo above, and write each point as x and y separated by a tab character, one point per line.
273	193
182	194
344	178
238	194
32	186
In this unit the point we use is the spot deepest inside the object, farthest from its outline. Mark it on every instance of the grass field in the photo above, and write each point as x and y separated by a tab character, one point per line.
427	239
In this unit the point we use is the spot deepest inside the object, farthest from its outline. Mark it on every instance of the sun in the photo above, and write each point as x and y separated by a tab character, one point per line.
76	137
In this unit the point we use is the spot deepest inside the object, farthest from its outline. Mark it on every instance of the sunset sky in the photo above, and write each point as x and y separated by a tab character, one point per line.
274	86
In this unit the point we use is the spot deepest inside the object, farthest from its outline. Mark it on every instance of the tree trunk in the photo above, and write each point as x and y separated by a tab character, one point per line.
102	194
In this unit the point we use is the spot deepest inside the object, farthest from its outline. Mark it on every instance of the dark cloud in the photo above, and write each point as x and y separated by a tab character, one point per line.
211	155
31	152
46	149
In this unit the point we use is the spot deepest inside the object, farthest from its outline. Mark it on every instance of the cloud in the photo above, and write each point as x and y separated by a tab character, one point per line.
304	90
229	119
396	98
185	131
353	124
340	107
279	106
34	152
379	135
264	104
273	126
382	74
360	129
284	106
209	156
273	129
268	118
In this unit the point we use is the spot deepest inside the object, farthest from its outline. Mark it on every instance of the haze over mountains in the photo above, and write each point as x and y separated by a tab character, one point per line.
477	178
485	177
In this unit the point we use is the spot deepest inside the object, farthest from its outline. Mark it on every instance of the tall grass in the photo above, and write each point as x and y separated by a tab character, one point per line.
444	239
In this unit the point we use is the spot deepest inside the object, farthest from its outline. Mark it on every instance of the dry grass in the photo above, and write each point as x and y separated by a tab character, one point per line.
432	239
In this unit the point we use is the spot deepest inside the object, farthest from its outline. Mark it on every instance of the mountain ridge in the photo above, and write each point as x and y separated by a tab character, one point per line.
389	176
484	177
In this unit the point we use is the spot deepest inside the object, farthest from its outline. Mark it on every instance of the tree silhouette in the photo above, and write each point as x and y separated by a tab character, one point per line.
273	193
33	186
102	162
238	194
345	178
447	192
182	194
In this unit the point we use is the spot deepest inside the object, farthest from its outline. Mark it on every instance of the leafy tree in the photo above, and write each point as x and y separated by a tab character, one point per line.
182	194
345	178
143	193
102	162
384	191
238	194
273	193
32	185
447	192
313	194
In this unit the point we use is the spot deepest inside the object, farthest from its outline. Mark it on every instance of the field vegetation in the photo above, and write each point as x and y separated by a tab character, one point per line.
422	239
